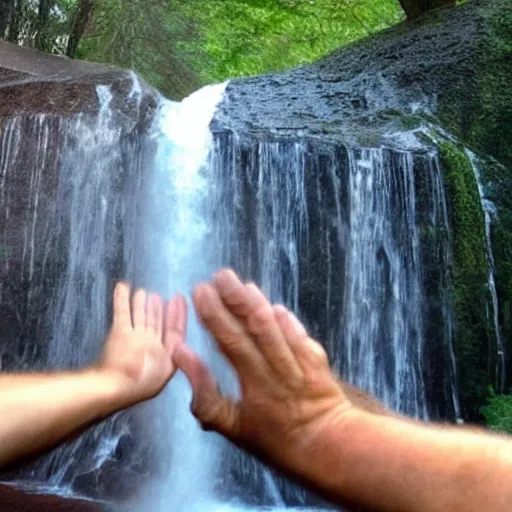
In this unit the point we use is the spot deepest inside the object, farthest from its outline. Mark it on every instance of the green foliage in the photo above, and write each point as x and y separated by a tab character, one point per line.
52	37
247	37
495	94
473	343
178	45
498	413
144	35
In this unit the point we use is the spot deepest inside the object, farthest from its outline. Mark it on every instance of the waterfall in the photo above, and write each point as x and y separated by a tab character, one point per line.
351	239
384	335
179	252
342	237
490	211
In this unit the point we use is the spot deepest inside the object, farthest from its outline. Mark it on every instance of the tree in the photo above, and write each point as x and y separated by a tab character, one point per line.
43	18
15	21
176	44
81	20
148	36
247	37
6	7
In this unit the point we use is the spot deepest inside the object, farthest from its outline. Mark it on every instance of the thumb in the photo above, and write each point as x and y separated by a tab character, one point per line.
214	411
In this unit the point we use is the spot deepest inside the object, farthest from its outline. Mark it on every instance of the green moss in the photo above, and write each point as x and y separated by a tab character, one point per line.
4	252
498	413
478	111
473	343
494	79
411	122
480	114
500	192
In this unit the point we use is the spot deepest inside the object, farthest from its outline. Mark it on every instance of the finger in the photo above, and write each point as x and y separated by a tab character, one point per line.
158	312
233	292
122	317
150	314
182	315
175	323
139	309
213	411
229	332
262	324
308	352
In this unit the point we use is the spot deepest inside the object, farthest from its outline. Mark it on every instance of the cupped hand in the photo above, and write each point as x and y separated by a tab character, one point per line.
288	392
139	348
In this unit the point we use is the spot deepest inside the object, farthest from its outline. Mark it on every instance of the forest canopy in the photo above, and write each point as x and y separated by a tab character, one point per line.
179	45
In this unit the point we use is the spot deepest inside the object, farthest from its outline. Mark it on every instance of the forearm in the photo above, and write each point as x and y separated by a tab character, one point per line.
37	411
389	464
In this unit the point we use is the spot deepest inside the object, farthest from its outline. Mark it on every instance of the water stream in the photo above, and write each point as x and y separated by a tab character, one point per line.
337	234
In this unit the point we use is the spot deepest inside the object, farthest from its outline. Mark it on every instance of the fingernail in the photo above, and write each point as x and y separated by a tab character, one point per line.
297	326
227	280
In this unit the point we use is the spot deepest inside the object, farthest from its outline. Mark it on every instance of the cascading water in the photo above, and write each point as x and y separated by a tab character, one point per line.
338	235
180	253
383	334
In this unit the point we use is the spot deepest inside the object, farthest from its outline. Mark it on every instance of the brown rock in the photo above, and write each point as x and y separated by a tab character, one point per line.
14	500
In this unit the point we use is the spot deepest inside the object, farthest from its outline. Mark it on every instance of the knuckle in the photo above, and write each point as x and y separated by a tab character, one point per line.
208	416
297	383
230	340
314	352
260	318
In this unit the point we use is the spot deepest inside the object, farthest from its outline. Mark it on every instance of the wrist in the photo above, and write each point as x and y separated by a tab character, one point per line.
111	389
329	454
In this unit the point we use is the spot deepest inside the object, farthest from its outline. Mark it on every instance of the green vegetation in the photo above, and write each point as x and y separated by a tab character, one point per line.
178	45
493	87
498	413
473	344
246	37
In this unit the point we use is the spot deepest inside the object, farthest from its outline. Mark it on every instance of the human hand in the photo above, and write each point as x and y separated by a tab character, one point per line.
289	394
139	348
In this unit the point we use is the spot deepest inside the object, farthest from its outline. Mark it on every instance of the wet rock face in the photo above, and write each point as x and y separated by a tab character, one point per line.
33	82
40	95
409	69
74	147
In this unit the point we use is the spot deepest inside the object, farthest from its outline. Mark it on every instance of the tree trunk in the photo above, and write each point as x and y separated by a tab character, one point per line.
415	8
42	25
15	21
5	15
80	22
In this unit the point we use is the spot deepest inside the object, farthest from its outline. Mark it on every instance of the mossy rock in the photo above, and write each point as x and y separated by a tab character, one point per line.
474	341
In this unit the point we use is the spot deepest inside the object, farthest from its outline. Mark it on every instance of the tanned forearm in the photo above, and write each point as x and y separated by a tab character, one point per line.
37	411
391	464
40	410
